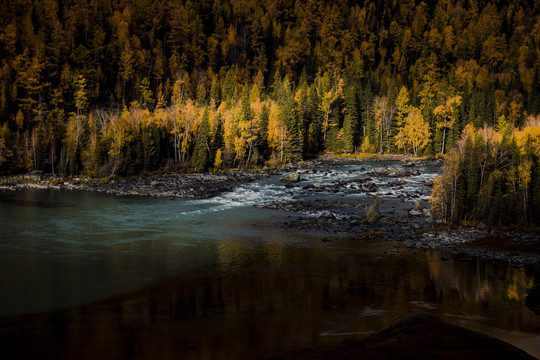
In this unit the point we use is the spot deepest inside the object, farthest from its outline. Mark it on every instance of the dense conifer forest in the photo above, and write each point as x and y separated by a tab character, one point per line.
492	176
117	87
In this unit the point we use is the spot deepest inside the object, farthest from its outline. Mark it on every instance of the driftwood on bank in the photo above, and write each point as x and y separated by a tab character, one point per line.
415	181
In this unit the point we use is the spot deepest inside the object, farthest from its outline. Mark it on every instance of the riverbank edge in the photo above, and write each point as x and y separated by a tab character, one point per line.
464	243
176	185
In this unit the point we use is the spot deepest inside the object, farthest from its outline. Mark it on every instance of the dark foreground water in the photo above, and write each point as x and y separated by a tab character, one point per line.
89	276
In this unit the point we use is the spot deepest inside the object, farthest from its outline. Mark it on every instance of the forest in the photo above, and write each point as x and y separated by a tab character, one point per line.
491	176
115	87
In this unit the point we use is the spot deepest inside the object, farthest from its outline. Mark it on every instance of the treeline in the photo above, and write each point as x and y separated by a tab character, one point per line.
103	86
492	176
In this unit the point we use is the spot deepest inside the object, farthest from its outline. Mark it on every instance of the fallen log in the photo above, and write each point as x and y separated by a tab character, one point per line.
415	181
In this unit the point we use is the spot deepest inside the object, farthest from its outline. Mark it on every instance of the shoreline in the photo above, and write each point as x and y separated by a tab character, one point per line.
177	185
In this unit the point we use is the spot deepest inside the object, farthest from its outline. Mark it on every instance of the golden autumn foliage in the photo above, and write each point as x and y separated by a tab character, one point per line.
416	133
332	76
446	117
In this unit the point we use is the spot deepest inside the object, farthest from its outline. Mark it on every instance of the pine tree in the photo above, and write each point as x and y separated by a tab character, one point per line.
247	114
146	97
201	152
201	94
5	151
149	148
293	151
214	92
228	87
350	123
402	110
369	128
263	132
76	126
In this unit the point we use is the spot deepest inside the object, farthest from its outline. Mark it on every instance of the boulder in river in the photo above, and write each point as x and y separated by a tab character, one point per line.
328	215
291	178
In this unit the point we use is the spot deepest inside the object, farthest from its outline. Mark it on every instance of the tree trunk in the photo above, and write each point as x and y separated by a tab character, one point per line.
325	125
34	148
443	141
249	153
175	144
381	139
282	146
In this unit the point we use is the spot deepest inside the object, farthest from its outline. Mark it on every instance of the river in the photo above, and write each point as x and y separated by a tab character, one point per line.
88	275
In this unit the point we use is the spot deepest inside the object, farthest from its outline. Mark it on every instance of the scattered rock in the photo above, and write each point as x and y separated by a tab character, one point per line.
328	215
188	186
35	175
291	178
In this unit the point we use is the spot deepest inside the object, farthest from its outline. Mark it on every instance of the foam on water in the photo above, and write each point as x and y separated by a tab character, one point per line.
271	190
246	195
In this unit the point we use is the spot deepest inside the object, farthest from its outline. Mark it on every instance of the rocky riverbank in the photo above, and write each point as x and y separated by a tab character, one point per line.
186	186
389	202
182	185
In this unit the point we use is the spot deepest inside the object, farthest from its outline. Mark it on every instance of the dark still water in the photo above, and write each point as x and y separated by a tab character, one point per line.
89	276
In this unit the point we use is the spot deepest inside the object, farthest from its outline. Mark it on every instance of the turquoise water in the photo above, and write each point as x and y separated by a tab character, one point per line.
68	248
218	278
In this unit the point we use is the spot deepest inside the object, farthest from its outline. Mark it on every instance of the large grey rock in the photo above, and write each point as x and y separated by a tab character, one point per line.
291	178
35	175
327	215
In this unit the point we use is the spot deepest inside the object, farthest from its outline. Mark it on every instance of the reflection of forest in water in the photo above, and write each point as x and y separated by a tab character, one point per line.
259	299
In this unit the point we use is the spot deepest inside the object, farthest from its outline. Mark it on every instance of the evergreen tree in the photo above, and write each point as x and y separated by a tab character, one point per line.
262	146
146	97
293	151
201	94
201	152
402	110
228	87
214	92
313	117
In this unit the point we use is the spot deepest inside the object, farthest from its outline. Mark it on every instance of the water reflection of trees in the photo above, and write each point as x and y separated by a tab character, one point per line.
261	299
496	292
